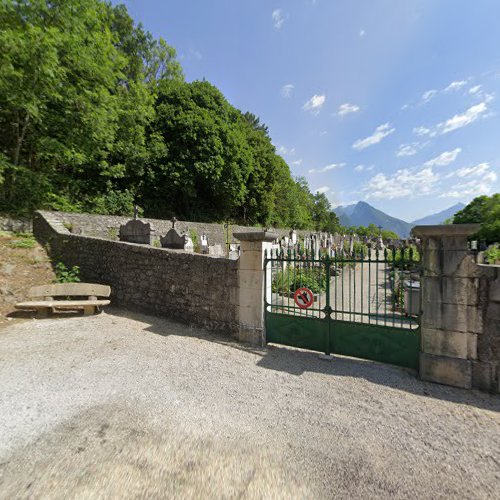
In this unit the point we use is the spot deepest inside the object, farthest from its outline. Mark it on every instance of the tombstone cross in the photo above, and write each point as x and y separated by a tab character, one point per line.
173	220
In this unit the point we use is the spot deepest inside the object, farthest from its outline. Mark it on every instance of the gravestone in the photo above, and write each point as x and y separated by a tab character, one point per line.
215	251
136	231
204	244
177	241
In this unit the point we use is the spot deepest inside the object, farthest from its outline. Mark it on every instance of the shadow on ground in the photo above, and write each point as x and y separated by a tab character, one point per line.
298	361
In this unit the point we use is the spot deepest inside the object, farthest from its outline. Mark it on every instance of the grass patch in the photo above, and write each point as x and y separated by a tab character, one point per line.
23	240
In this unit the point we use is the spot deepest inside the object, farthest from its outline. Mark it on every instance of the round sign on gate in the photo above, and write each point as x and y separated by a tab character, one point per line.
303	297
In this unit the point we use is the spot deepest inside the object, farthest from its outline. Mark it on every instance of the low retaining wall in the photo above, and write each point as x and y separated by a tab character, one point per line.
195	289
19	225
107	227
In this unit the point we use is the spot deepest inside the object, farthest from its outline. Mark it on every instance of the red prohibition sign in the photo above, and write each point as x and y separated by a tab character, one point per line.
303	297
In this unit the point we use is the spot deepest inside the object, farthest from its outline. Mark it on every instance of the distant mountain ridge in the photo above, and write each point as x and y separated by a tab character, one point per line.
363	214
440	217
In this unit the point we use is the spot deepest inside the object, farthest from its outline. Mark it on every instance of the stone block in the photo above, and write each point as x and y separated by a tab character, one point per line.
468	268
459	318
452	259
484	376
431	289
443	370
493	311
251	335
463	291
251	279
432	263
250	315
455	243
449	343
252	260
495	290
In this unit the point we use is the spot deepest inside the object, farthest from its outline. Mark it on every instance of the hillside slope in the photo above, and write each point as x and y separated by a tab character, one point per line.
23	264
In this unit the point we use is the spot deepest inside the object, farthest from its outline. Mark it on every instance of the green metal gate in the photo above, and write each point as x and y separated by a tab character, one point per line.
366	303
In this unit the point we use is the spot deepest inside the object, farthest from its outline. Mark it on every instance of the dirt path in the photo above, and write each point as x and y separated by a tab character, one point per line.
125	407
23	264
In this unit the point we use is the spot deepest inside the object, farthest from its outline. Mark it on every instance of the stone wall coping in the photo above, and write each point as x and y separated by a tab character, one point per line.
256	236
449	230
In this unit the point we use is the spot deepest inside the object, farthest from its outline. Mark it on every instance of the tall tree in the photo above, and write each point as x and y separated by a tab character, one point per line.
484	210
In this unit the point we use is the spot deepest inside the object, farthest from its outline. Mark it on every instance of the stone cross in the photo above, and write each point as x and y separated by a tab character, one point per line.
173	220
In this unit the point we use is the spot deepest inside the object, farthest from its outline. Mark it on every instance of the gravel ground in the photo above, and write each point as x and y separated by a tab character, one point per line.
128	406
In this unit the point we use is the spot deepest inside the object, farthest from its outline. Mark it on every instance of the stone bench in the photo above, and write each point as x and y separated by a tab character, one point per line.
48	300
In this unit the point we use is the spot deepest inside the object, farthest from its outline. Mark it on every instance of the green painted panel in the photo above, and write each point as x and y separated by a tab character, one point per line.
379	343
306	333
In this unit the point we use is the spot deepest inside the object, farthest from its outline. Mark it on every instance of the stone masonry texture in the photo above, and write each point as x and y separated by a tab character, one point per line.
195	289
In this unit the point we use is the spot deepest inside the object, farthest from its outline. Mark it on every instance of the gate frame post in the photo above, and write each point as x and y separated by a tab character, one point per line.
252	282
451	319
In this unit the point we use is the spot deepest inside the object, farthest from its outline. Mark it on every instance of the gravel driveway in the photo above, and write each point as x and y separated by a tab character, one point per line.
128	406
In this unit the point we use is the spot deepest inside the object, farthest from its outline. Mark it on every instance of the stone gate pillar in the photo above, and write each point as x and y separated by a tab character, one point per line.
251	284
451	318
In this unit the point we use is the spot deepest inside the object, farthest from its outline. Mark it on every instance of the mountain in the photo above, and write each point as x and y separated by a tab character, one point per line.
438	218
363	214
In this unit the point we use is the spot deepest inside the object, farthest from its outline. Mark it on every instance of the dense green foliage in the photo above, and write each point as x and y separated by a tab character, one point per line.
486	211
372	231
66	274
492	254
293	278
95	116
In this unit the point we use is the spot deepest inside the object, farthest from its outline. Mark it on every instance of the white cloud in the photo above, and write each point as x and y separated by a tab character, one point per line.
361	168
287	90
315	103
443	159
346	108
332	166
362	33
278	18
457	85
475	89
282	150
422	131
297	162
458	121
474	187
323	132
480	169
404	183
408	149
427	96
380	133
322	189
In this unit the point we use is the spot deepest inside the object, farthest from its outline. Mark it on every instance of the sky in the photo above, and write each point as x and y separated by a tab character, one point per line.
392	102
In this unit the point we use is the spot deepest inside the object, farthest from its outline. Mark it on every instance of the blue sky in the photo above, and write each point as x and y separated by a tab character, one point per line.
394	102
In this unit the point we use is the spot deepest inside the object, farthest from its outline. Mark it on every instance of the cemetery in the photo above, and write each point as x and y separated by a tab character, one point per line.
427	302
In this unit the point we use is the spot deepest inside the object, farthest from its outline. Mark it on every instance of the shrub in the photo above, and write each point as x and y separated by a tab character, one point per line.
65	274
492	254
294	278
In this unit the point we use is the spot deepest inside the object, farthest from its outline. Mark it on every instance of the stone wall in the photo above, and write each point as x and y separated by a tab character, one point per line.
18	224
107	227
460	311
195	289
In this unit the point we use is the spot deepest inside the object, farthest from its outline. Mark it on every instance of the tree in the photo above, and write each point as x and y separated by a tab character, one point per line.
75	99
484	210
202	161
